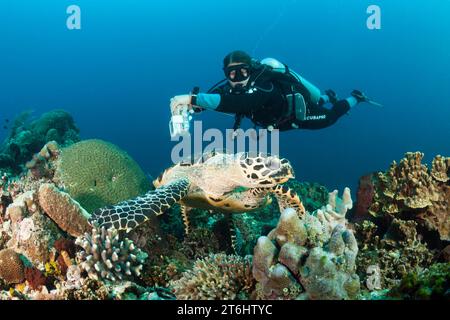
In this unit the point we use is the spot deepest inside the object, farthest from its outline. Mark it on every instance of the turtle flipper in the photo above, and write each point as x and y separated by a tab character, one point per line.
128	214
185	214
288	198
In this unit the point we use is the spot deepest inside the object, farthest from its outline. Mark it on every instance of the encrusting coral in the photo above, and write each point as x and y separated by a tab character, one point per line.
218	276
409	190
105	256
11	267
309	258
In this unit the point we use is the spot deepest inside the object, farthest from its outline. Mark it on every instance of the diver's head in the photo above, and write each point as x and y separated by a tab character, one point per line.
237	68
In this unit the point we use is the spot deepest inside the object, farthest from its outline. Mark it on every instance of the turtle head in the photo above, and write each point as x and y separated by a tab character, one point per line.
266	171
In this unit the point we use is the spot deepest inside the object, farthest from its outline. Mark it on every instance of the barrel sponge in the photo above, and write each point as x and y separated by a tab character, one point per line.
11	267
96	174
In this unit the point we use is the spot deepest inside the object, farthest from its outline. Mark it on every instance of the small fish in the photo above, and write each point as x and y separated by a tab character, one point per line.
7	120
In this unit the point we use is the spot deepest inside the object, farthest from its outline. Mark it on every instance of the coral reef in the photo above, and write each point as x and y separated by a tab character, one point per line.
309	258
32	233
107	257
217	276
97	174
409	190
11	267
28	137
60	207
432	283
384	259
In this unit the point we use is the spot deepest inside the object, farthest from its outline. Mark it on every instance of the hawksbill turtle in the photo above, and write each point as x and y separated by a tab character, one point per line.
226	183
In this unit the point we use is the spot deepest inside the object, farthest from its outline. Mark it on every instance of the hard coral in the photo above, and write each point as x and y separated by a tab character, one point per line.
28	137
97	174
33	234
218	276
410	190
63	210
11	267
385	258
35	278
432	283
309	258
107	257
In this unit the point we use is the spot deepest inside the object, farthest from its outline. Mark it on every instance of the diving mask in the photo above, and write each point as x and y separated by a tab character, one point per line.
237	73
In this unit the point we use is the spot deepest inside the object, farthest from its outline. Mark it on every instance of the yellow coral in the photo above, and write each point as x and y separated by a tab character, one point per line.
52	269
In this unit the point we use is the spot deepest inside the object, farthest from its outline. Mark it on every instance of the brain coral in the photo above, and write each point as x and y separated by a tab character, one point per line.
97	174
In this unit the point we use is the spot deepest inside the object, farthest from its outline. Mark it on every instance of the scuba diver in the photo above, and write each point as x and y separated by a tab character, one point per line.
270	94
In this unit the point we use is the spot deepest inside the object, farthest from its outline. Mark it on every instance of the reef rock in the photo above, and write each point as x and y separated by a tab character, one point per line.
309	258
32	233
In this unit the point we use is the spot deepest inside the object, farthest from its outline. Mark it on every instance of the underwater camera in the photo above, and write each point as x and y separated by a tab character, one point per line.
179	124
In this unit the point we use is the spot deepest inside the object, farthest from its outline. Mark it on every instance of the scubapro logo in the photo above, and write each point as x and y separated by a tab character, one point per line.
321	117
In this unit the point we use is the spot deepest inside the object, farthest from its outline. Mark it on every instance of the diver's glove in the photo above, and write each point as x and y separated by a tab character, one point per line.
180	101
360	97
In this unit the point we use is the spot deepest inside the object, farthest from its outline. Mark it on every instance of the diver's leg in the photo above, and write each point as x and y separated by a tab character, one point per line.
329	97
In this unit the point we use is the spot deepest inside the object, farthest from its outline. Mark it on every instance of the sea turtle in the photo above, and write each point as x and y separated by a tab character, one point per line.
227	183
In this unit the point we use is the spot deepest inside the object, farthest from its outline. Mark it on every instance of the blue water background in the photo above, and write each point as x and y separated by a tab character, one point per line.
117	74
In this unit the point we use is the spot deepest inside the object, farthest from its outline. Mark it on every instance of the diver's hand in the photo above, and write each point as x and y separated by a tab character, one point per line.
179	101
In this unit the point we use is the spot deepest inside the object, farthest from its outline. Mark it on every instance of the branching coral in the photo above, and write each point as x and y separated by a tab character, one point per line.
410	190
309	258
217	276
106	256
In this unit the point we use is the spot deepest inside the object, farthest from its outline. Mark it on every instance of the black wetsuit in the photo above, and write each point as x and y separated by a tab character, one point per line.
264	101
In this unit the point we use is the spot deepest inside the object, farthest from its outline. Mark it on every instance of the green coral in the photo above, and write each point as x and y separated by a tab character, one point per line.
433	283
97	173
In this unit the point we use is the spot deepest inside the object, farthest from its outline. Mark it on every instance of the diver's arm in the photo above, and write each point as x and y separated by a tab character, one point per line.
230	103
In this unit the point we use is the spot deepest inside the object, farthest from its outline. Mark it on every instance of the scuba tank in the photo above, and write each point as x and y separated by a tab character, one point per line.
282	68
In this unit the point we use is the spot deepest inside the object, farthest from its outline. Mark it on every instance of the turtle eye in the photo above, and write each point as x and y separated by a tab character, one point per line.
273	163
